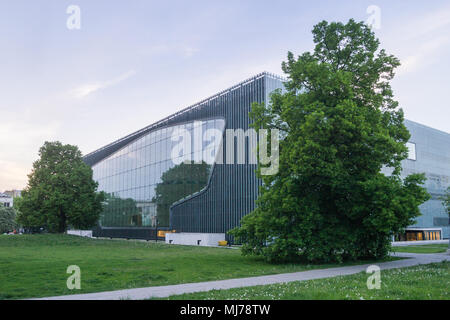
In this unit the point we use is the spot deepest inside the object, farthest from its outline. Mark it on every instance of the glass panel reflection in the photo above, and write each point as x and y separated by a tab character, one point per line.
142	181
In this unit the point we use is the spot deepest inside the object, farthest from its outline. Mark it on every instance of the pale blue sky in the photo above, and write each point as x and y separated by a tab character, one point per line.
135	62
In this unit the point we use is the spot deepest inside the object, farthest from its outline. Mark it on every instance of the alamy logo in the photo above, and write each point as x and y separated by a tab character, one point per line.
374	20
374	281
74	281
74	20
241	147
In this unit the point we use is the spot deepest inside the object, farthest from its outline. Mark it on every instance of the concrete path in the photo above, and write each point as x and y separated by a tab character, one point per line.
166	291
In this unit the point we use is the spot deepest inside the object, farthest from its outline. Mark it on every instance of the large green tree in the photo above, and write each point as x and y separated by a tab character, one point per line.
60	191
339	126
7	219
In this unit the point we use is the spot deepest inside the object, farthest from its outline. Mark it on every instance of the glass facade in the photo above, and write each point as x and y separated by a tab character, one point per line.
145	183
143	179
429	153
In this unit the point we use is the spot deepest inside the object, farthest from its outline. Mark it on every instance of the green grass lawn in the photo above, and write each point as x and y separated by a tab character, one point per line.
430	281
35	265
426	248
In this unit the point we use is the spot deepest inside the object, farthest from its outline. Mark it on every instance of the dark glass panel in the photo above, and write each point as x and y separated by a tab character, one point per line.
142	181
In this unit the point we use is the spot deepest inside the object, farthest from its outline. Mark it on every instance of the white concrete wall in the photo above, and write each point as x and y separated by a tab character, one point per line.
195	239
81	233
418	243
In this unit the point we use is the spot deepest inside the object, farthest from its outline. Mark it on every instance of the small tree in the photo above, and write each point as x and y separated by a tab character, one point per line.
339	126
60	191
7	219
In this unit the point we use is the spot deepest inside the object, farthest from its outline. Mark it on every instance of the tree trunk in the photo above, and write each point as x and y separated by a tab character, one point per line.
62	221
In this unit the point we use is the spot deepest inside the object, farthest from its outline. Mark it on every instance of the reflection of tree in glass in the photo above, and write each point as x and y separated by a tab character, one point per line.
177	183
118	212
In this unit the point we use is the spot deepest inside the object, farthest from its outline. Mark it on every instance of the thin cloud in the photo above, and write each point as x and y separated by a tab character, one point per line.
423	39
186	51
431	22
423	55
13	175
189	51
22	139
89	88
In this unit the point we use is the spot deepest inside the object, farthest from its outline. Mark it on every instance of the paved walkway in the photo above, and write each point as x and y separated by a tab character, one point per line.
166	291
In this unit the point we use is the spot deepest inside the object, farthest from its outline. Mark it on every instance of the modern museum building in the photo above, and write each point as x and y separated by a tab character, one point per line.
186	173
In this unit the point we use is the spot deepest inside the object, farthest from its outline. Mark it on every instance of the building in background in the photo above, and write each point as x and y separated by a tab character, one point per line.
6	200
429	153
13	193
146	188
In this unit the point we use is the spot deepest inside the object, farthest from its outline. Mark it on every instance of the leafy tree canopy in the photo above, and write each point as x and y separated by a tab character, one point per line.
339	126
7	219
60	191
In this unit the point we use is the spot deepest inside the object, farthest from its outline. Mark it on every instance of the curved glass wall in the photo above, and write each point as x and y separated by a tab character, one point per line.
146	177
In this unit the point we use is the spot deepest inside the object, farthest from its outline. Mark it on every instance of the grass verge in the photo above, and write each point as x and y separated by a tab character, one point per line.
426	248
35	265
422	282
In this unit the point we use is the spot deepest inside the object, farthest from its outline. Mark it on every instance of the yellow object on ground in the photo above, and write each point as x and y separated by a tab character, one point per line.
162	233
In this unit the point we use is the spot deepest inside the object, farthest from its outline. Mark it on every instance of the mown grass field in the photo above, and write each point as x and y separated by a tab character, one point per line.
35	265
426	248
420	282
